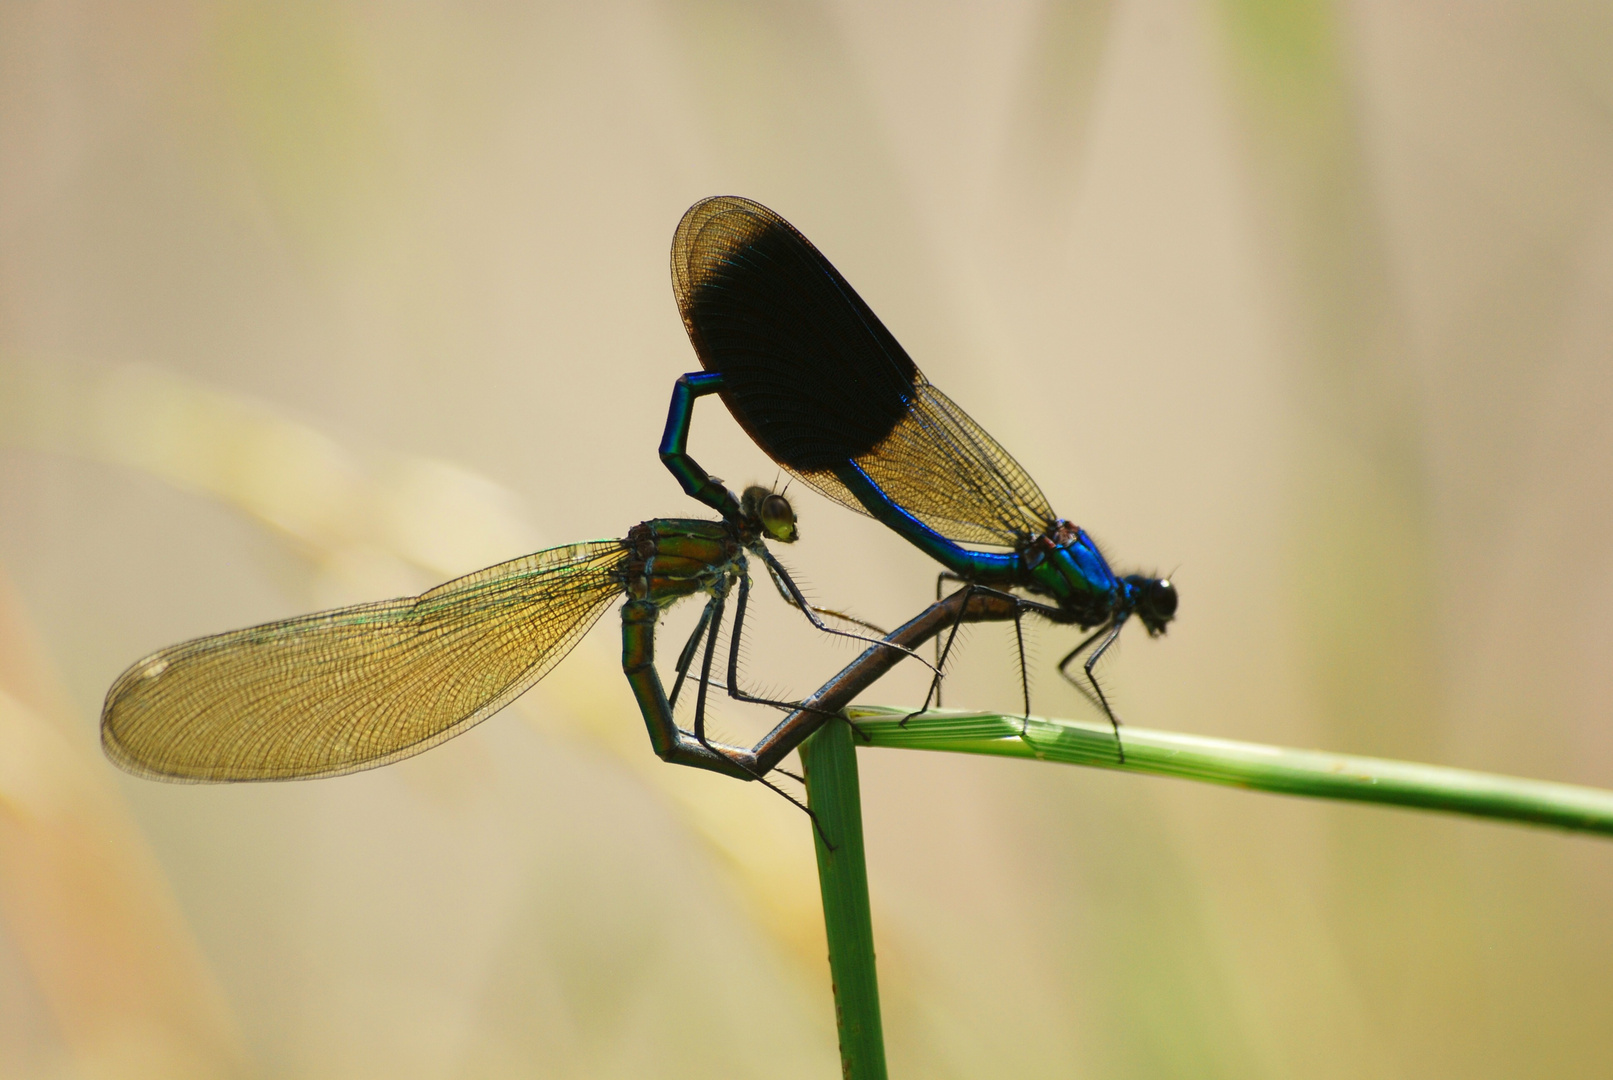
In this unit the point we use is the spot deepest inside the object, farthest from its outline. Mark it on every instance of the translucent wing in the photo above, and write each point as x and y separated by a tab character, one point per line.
812	375
945	470
339	691
816	380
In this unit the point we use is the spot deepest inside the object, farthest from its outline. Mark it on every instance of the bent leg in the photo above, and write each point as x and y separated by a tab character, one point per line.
671	743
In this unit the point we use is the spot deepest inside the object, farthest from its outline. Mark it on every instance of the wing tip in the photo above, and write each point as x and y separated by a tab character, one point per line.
697	219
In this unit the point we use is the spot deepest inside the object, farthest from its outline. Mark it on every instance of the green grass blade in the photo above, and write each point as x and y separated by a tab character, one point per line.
830	761
1255	766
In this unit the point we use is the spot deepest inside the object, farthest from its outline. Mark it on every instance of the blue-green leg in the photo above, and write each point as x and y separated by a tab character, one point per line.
671	743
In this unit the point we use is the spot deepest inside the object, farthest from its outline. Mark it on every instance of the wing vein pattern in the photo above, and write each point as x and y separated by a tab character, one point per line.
817	380
350	689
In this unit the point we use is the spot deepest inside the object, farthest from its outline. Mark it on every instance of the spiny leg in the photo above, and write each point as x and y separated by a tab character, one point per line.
840	691
797	803
740	695
1024	672
733	658
686	657
945	575
934	692
715	607
793	594
1097	654
1064	665
872	628
969	590
778	584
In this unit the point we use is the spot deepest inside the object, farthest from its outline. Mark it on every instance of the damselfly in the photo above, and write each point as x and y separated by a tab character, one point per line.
811	374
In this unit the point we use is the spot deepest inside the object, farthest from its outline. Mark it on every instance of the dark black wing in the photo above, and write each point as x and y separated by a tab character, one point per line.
816	380
339	691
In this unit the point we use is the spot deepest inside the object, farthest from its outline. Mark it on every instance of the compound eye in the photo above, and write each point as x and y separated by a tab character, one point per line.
1155	601
778	518
1164	599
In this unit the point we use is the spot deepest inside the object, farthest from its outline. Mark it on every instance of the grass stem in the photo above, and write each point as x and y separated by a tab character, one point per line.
1256	766
830	761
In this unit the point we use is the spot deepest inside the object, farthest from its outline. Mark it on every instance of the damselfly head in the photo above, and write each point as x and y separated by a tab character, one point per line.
1154	600
773	511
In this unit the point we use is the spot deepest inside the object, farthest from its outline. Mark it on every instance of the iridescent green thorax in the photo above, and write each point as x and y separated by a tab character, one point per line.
669	558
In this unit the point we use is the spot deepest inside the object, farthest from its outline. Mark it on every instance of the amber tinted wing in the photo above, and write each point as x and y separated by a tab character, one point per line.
339	691
812	375
943	468
816	380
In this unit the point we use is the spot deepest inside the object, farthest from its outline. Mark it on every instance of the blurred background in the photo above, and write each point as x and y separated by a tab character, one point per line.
1307	303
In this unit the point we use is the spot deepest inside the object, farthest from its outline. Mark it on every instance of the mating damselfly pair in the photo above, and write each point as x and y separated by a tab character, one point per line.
813	376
